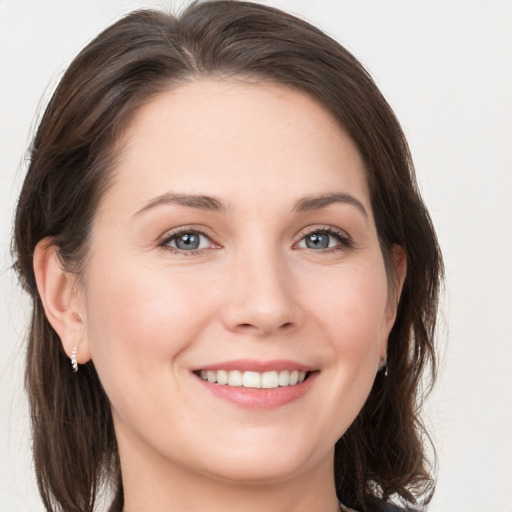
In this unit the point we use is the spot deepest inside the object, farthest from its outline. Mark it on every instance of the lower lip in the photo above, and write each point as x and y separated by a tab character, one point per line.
259	398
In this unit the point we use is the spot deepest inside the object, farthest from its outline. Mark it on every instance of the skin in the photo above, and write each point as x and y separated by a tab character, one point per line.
149	314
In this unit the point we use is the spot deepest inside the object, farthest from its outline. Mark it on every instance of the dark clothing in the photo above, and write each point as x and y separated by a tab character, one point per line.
117	506
384	507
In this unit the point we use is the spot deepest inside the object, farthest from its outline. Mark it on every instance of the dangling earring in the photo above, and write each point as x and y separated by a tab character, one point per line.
383	366
74	364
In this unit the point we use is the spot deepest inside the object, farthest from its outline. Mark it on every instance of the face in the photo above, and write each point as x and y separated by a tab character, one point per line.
235	295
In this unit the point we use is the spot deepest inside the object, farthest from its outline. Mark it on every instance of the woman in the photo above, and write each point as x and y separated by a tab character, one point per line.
234	278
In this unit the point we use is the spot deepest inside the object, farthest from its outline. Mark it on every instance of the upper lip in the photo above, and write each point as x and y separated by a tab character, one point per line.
255	365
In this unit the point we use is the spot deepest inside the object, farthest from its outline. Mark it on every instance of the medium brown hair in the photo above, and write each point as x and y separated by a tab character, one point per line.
72	157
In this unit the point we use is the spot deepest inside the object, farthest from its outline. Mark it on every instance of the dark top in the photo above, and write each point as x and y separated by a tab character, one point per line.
117	506
385	507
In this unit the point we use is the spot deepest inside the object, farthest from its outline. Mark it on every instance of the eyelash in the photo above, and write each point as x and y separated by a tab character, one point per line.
345	241
168	238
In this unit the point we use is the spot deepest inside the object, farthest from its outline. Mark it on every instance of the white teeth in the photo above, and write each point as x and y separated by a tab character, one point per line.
222	377
284	378
269	380
252	380
235	378
266	380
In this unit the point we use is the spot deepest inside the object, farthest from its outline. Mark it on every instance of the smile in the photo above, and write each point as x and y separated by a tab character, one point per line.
254	380
255	384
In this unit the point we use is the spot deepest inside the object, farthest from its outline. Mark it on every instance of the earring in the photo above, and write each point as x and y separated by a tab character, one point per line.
74	364
383	366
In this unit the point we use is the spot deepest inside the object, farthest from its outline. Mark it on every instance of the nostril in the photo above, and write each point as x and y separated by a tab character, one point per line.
265	329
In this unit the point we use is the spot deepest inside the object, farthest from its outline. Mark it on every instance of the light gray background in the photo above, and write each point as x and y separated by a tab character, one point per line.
446	68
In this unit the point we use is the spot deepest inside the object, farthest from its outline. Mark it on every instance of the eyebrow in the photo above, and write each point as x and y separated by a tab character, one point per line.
317	202
209	203
201	202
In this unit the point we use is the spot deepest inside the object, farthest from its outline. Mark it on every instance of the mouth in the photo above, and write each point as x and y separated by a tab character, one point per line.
259	385
253	379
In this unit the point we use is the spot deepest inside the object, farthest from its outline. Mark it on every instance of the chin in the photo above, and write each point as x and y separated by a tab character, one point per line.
259	470
257	459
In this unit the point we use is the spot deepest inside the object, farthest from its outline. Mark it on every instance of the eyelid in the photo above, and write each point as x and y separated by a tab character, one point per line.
345	239
169	235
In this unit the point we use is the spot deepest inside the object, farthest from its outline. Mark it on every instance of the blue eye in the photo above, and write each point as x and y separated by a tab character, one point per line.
187	241
325	239
317	241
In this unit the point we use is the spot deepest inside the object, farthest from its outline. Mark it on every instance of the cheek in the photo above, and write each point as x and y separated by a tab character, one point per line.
352	307
140	320
346	310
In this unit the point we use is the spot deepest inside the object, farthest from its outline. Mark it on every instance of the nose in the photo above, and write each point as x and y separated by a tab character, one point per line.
261	299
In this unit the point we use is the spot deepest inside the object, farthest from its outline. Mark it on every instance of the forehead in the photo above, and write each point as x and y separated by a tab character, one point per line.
237	140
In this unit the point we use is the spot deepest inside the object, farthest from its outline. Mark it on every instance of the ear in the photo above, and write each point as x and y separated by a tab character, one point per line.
59	295
397	279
